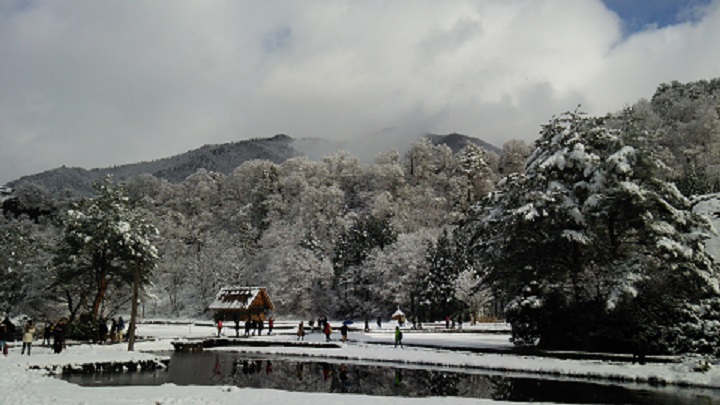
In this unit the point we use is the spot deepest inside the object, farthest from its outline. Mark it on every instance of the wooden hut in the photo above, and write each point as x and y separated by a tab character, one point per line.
241	303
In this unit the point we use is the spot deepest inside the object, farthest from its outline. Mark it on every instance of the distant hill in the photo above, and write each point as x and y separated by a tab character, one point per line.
222	158
458	141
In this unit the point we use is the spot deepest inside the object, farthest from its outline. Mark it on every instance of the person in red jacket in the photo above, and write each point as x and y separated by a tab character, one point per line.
327	331
219	326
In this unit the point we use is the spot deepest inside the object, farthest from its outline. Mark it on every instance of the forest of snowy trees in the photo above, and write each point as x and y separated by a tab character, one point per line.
587	238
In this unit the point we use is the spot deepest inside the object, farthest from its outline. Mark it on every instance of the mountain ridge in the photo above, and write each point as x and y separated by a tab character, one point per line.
222	158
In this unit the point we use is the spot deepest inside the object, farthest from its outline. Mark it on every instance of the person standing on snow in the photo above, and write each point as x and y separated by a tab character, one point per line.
47	332
10	329
301	331
248	324
59	337
219	327
28	337
327	331
102	331
344	332
3	339
121	329
398	337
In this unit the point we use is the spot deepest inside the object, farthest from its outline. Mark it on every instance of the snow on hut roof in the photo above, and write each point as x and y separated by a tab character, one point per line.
238	297
398	313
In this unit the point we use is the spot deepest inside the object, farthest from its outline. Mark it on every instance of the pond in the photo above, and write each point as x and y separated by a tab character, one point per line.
389	379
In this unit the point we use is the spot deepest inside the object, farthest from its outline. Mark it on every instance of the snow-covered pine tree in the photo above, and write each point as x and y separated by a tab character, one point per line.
353	247
479	168
613	251
17	250
438	295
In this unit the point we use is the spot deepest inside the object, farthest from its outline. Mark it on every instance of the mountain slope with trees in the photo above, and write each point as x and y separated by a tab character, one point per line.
221	158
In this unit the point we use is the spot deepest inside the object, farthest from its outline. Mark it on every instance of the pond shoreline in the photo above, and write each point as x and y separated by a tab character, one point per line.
652	380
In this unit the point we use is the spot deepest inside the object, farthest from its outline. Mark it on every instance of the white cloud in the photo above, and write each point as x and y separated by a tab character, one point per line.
92	84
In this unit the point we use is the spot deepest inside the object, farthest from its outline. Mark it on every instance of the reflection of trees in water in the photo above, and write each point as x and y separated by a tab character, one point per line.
502	388
210	368
442	384
228	369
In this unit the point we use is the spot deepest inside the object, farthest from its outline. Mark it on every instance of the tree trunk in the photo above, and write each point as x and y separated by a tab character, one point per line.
99	297
133	311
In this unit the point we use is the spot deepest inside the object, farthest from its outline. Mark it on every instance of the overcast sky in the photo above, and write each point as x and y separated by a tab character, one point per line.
98	83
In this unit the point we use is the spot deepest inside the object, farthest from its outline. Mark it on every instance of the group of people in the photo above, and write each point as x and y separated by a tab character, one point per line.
54	336
8	330
252	326
450	322
114	332
324	327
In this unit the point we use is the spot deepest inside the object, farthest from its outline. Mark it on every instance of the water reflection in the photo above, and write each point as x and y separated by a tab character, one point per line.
219	368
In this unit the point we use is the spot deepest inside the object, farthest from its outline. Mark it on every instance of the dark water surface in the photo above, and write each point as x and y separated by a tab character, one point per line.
325	375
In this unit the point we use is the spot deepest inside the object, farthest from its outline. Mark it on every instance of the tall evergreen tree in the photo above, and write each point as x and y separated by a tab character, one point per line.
439	282
596	233
353	247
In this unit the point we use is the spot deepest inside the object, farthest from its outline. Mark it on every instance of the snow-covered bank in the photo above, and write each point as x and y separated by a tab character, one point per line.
23	386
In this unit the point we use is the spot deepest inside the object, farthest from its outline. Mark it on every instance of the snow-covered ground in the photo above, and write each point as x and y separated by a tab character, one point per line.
21	385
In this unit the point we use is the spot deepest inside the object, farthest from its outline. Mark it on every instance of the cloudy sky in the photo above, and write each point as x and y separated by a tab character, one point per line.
96	83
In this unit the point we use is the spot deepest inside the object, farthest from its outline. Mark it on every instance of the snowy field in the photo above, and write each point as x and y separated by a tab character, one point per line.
24	386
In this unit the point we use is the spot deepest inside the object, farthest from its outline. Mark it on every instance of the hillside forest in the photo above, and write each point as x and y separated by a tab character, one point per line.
585	239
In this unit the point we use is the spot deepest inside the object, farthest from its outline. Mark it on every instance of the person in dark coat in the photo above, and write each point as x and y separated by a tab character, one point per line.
261	325
639	344
102	331
59	337
344	332
248	324
10	328
3	339
121	328
236	320
47	333
271	323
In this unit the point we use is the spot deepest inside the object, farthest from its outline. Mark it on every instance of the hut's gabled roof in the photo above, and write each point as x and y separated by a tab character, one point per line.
239	298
